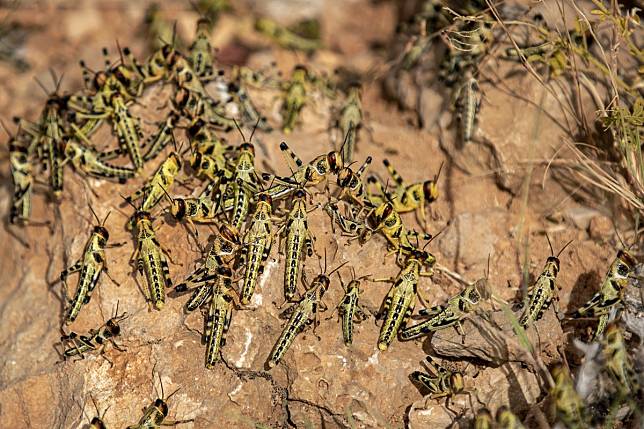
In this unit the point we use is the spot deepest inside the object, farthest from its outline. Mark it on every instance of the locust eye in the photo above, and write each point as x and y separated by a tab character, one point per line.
299	193
622	269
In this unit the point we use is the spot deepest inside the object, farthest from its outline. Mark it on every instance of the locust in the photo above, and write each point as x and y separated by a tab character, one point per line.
89	267
468	104
352	186
618	362
610	292
408	197
95	340
350	309
350	227
295	95
244	183
155	414
258	241
186	77
88	161
483	419
401	298
350	121
201	51
568	407
285	37
224	245
450	314
163	136
302	314
49	135
209	156
439	381
22	178
219	314
97	421
195	106
312	173
159	183
150	258
126	127
200	209
506	419
543	292
387	220
298	236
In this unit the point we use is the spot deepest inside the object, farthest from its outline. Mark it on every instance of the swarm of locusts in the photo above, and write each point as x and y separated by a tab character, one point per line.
255	211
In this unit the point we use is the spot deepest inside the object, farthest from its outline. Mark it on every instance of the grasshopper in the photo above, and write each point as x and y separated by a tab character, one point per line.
298	236
349	308
22	178
244	183
450	314
195	106
295	95
352	186
610	292
543	292
350	227
302	314
155	414
567	405
468	104
285	37
258	241
97	421
387	220
89	268
150	258
506	419
408	197
224	245
219	314
483	419
201	51
350	121
159	183
161	138
209	156
312	173
401	298
439	381
95	340
618	362
196	209
88	161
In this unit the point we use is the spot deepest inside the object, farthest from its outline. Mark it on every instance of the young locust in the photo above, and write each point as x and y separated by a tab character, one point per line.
219	314
298	236
295	95
258	241
350	309
89	267
568	407
610	292
150	258
224	245
154	416
439	381
302	314
543	292
350	121
450	314
401	298
95	339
